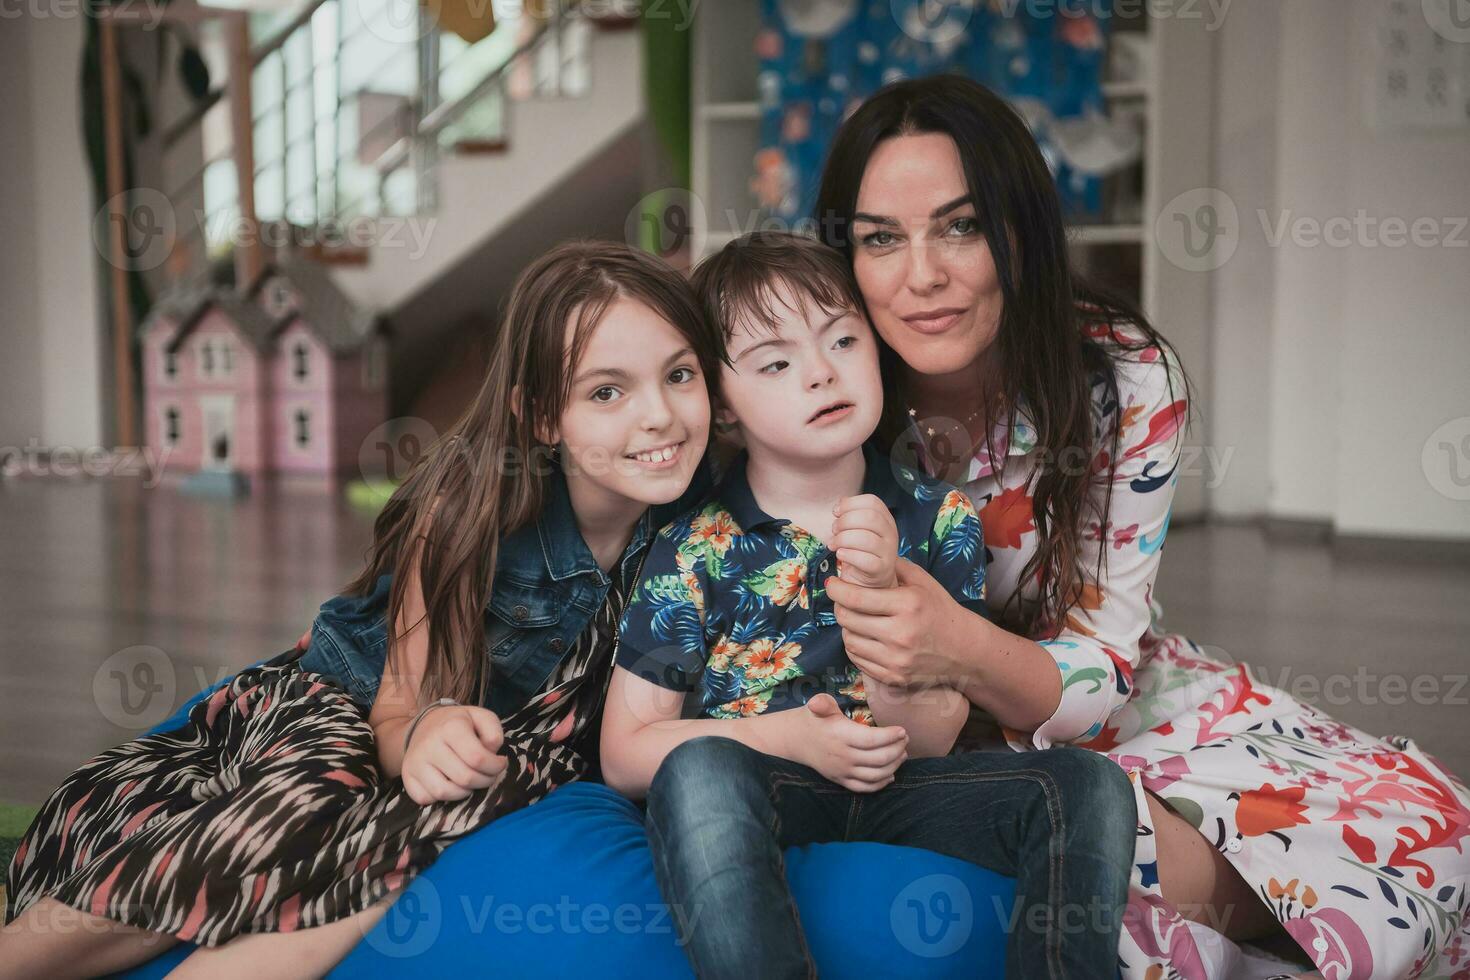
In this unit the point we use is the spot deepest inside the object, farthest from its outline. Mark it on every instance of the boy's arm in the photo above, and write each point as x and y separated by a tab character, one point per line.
933	716
641	725
865	538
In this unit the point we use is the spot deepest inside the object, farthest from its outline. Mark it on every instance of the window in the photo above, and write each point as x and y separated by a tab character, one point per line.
206	359
226	358
171	426
170	365
300	367
302	420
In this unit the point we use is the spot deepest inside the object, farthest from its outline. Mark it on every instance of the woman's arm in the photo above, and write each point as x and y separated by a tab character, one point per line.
641	726
933	716
916	635
1062	689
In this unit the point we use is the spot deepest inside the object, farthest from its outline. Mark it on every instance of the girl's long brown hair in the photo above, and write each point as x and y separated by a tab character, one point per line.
486	476
1046	353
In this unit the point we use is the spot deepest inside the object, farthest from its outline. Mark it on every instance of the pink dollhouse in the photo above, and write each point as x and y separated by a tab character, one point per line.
285	376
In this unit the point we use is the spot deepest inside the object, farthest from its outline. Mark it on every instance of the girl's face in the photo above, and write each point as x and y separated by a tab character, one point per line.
637	419
924	269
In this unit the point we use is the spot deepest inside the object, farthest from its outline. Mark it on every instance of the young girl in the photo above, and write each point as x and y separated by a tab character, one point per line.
279	805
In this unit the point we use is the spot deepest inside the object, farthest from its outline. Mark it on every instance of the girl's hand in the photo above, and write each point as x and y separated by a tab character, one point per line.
454	751
895	636
853	755
866	541
305	640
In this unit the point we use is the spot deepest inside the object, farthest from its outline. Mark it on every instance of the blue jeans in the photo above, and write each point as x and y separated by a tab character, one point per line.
1060	821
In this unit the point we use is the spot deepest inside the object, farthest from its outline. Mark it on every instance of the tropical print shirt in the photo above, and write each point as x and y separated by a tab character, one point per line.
732	602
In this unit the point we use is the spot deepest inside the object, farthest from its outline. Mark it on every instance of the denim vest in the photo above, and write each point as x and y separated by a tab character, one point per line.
547	587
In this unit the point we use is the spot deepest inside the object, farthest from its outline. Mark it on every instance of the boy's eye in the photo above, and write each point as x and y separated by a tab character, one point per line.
605	394
682	375
775	367
843	343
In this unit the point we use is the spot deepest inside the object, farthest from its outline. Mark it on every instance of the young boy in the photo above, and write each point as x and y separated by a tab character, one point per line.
731	604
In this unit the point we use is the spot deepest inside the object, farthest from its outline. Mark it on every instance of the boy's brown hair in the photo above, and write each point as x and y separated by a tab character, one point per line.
744	280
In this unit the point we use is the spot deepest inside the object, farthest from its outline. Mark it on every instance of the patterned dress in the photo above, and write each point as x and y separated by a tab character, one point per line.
1356	843
267	812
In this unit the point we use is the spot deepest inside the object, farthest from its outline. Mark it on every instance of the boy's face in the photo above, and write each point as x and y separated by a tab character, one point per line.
810	389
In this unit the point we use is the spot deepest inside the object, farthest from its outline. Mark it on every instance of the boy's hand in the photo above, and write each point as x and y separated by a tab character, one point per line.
866	541
454	751
857	757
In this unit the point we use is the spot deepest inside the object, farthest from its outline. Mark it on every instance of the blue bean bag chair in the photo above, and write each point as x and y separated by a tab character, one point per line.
566	888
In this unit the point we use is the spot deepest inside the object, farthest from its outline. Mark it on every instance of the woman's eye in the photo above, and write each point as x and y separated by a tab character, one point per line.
605	394
683	375
775	367
965	226
878	239
844	343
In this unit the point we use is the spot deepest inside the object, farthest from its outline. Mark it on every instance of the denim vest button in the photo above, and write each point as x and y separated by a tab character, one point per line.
520	613
557	643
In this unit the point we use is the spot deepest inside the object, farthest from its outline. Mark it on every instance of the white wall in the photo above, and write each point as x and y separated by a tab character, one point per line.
1333	365
49	328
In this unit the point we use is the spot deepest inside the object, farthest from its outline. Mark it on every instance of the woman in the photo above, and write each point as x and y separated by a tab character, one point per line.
1059	411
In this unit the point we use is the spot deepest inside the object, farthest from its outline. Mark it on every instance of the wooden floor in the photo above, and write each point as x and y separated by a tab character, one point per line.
119	601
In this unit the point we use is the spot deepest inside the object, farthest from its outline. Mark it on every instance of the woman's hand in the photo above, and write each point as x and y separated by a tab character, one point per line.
865	538
454	751
857	757
305	640
896	635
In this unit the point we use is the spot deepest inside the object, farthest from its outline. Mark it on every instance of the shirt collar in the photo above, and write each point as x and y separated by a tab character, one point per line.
879	479
562	548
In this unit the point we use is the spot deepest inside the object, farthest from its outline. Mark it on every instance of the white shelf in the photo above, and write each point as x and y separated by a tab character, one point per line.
718	111
1106	234
1119	91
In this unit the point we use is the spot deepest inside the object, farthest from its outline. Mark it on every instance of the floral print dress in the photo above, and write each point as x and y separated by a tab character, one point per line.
1358	844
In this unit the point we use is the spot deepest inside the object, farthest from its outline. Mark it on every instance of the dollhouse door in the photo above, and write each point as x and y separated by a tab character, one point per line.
219	431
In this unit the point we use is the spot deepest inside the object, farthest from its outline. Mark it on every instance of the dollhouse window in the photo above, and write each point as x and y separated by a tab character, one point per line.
300	367
206	359
171	365
302	420
226	358
171	425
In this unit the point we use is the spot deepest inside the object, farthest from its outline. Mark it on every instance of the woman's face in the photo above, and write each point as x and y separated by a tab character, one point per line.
923	266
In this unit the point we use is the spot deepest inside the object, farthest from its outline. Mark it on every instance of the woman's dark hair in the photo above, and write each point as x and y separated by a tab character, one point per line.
1055	330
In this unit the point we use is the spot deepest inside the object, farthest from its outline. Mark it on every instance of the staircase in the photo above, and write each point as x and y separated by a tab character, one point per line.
424	170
